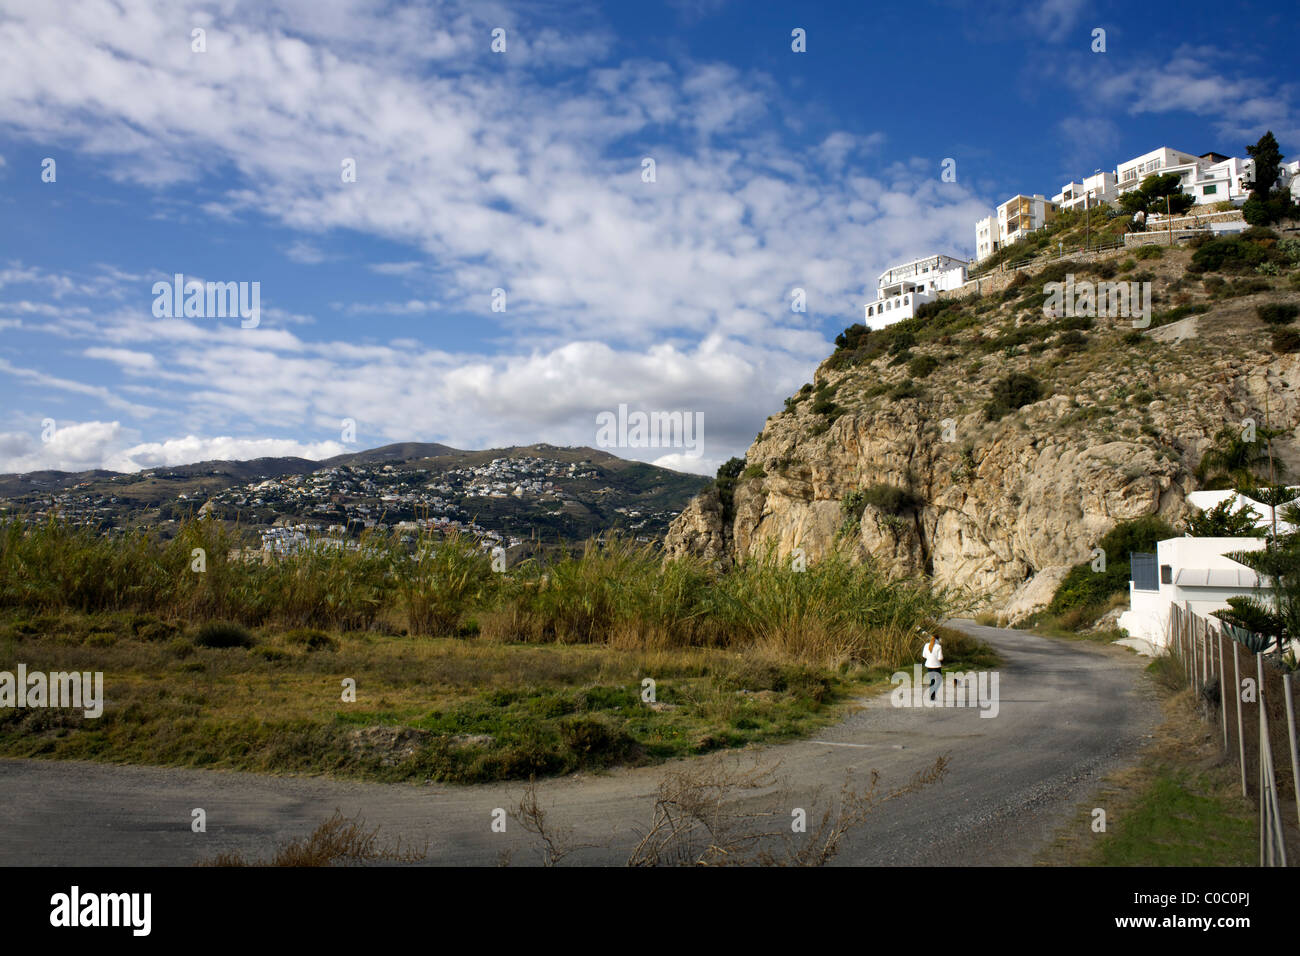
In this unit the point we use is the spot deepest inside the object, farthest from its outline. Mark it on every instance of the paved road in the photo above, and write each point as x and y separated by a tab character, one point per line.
1067	714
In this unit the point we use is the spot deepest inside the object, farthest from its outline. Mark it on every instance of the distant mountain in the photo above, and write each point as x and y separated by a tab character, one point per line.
541	490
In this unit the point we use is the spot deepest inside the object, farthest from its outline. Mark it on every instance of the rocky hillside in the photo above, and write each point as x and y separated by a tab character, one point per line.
908	448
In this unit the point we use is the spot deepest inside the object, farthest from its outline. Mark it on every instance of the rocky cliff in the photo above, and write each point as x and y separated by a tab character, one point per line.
891	454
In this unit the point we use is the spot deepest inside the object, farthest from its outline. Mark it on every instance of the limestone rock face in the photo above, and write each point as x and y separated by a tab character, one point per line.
1004	508
698	531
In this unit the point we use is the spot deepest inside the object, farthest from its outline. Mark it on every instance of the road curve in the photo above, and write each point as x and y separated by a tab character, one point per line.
1068	713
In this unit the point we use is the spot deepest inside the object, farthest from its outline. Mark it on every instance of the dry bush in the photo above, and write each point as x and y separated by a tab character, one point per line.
338	841
719	812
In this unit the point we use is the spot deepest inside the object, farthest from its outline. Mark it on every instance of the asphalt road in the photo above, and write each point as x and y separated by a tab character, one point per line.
1067	714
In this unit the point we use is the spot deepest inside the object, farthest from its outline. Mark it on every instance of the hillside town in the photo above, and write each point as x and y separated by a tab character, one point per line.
497	501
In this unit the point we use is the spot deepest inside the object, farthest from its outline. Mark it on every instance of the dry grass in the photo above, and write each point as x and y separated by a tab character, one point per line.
338	841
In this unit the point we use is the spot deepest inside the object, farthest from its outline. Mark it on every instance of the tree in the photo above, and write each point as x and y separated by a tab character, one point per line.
1268	165
1267	203
1151	195
1221	522
1234	462
1279	565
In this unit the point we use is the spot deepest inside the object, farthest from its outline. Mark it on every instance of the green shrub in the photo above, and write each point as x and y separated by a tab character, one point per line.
223	634
1226	254
310	639
1277	313
1286	341
1072	341
922	365
907	388
1083	587
1148	252
854	337
1012	392
1075	322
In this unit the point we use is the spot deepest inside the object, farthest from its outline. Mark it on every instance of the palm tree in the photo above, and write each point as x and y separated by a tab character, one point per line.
1233	462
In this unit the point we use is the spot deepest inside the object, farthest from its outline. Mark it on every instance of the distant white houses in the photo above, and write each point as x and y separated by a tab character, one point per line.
902	288
1194	571
1207	178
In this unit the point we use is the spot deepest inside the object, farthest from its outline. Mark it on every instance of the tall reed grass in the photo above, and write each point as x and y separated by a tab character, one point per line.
617	593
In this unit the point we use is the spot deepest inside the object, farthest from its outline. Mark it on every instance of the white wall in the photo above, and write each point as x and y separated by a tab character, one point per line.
883	312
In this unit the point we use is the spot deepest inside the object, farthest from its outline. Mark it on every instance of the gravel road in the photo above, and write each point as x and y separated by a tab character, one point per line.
1068	712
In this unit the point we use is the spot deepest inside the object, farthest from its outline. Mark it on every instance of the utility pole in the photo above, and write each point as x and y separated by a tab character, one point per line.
1169	216
1087	217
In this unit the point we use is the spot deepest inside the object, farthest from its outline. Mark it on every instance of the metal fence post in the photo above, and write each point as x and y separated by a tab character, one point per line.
1290	735
1241	731
1270	818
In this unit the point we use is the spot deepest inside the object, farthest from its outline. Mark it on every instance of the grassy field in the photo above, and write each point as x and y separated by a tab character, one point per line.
460	674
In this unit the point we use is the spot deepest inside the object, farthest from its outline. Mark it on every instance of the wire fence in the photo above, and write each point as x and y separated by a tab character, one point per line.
1252	697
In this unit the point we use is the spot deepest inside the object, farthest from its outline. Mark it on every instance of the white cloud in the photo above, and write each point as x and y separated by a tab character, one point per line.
305	253
82	446
129	360
190	449
686	463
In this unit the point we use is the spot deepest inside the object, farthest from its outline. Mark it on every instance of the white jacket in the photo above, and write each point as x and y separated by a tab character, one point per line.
933	654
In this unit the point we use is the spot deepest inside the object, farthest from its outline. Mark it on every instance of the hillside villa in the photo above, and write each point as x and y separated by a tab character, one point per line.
902	288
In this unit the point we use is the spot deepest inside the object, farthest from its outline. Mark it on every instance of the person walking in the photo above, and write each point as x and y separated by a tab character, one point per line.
933	654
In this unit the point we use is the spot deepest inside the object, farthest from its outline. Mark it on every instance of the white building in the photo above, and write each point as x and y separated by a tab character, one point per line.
1096	189
1208	178
1191	570
1013	220
986	237
901	289
1157	162
1195	570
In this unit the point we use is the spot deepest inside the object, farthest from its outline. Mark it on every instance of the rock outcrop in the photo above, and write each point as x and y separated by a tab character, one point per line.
1002	508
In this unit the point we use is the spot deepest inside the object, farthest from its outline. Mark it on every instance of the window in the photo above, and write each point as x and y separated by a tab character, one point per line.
1211	190
1166	574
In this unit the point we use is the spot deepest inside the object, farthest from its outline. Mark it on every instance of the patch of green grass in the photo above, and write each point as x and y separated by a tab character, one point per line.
1174	825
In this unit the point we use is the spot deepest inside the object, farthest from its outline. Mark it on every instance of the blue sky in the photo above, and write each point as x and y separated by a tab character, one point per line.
522	171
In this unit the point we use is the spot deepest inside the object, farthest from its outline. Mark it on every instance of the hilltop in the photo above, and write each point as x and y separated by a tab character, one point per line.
989	446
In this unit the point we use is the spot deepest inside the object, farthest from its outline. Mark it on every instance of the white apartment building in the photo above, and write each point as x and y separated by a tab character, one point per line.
902	288
1013	220
1098	188
1159	161
986	237
1208	178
